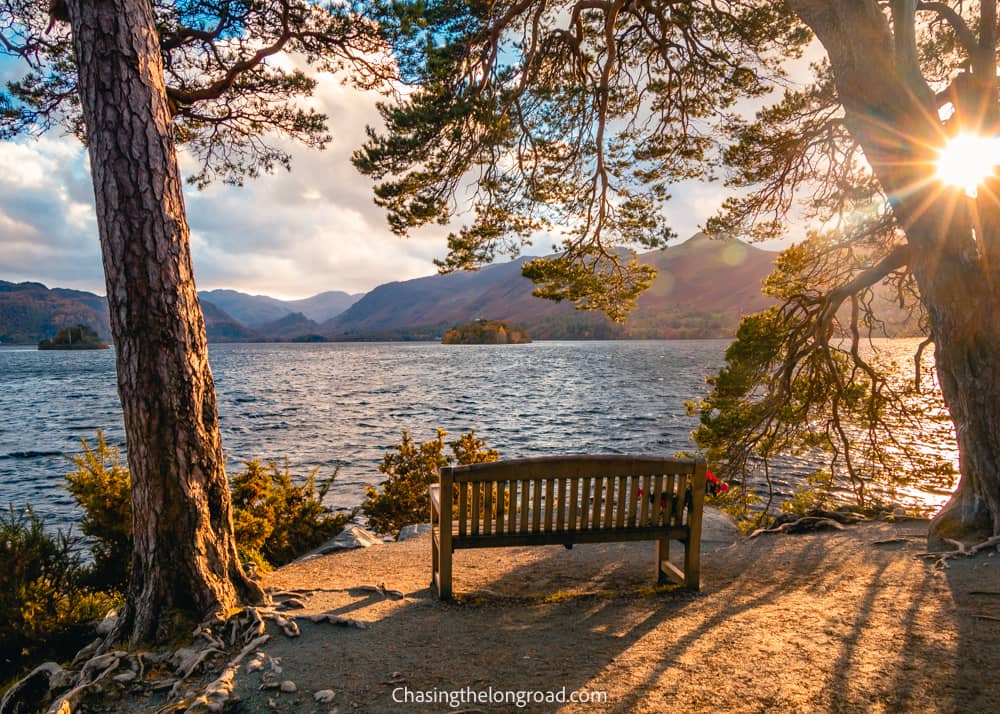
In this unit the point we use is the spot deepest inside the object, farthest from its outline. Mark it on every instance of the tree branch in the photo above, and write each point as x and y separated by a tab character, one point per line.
949	15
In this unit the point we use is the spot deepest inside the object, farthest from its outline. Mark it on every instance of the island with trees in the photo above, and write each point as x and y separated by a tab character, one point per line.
486	332
77	337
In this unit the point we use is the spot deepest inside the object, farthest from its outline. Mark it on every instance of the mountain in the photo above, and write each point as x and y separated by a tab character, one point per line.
702	288
289	327
259	310
324	306
221	327
248	309
31	312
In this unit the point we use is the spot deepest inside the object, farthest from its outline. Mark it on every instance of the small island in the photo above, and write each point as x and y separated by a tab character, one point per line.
486	332
79	337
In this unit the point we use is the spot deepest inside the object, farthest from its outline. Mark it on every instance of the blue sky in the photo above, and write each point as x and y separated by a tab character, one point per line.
289	235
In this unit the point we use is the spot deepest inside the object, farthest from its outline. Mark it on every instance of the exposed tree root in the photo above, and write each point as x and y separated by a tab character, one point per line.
962	550
805	524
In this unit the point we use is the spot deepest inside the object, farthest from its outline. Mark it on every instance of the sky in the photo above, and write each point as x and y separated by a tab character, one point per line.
289	235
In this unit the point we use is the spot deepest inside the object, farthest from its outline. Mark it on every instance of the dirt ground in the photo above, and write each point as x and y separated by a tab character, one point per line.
833	621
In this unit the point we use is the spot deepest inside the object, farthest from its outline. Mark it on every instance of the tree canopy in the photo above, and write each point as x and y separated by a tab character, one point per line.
576	117
231	85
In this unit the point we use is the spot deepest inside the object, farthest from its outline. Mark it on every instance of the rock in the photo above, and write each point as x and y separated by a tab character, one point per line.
412	531
105	626
36	689
719	527
324	696
257	662
288	686
350	538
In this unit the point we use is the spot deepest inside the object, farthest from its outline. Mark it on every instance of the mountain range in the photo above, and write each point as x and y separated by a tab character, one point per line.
702	288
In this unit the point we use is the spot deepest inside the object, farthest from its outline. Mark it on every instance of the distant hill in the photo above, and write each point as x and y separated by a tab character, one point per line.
258	310
701	290
31	312
221	327
289	327
324	306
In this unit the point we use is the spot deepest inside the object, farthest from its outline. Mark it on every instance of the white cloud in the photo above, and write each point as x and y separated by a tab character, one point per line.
289	235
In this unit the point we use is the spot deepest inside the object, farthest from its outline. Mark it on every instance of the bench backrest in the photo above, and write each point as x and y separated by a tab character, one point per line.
571	494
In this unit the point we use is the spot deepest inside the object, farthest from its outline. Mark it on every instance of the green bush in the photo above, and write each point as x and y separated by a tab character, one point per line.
100	484
277	521
812	495
44	604
402	498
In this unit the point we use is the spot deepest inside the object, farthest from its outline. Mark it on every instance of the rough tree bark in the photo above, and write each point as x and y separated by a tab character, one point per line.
893	114
184	562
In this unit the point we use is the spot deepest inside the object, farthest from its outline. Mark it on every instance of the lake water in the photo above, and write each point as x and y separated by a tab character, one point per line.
324	405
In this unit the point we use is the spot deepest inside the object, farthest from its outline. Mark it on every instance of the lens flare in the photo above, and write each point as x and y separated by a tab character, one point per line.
967	160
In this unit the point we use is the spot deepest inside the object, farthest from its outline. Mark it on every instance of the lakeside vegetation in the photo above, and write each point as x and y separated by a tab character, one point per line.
54	586
78	337
486	332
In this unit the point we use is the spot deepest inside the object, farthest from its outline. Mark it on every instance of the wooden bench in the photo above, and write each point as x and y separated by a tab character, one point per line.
563	500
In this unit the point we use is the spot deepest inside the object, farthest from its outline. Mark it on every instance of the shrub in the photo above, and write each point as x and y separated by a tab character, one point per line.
277	521
811	496
402	498
44	605
100	484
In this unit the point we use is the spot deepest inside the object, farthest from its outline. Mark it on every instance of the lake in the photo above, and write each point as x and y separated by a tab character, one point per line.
345	404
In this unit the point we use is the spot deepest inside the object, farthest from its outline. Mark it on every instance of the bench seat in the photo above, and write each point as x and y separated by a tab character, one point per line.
565	500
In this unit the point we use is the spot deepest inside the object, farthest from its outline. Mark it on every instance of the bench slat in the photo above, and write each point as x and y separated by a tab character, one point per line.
595	519
585	505
656	507
563	537
561	504
633	499
475	508
501	504
549	489
536	505
644	507
463	507
542	467
512	507
488	507
609	503
623	492
669	499
679	501
574	501
525	494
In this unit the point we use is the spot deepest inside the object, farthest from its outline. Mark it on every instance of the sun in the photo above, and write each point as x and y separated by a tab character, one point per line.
967	160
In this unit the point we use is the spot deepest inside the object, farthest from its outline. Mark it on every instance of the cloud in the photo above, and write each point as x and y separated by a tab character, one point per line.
290	235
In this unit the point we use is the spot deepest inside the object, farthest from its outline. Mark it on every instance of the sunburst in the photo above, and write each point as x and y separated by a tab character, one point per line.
967	160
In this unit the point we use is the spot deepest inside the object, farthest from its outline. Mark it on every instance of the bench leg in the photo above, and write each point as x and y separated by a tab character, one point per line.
692	563
662	555
444	571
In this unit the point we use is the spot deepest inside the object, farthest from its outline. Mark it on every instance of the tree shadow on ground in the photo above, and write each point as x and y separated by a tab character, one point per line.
825	622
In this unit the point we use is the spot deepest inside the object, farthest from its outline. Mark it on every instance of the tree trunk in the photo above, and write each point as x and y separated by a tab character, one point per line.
891	111
964	312
184	563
